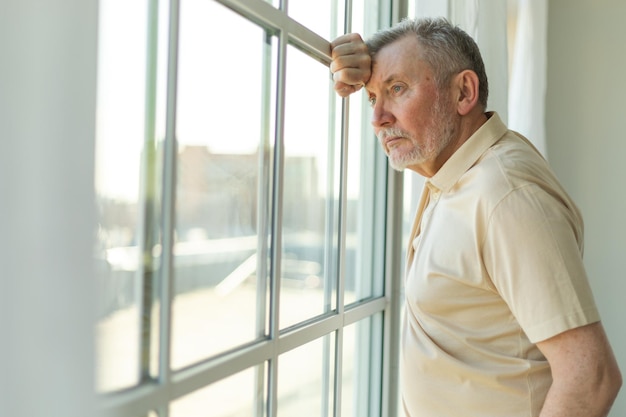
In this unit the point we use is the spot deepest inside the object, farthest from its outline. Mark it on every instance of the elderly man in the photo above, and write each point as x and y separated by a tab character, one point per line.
499	317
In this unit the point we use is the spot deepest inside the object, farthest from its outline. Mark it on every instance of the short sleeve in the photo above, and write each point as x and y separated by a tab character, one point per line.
533	255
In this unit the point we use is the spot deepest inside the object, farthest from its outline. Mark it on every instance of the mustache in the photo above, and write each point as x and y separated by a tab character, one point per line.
391	132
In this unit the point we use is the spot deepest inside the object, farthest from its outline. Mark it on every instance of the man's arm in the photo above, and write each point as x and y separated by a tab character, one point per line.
586	378
351	63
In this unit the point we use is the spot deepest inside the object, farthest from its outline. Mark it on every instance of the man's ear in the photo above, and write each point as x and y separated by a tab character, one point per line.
465	85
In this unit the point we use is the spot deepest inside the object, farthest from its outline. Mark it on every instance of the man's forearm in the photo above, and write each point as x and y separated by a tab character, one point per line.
566	400
586	377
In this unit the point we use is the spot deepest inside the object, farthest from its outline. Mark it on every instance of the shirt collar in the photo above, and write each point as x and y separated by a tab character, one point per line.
467	155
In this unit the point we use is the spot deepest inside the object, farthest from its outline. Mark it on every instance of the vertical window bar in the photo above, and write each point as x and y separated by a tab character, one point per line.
169	203
332	257
337	383
263	213
345	111
326	382
277	215
393	273
343	175
264	188
331	247
150	232
333	253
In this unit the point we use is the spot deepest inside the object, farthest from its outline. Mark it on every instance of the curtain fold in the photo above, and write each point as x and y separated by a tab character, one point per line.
527	89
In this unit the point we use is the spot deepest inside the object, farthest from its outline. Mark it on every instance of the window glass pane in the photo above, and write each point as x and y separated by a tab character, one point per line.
224	188
240	395
359	207
365	186
305	379
117	349
310	196
318	15
219	296
119	142
359	211
361	367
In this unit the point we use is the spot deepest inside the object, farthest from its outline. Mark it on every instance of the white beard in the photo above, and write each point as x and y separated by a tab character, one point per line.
438	137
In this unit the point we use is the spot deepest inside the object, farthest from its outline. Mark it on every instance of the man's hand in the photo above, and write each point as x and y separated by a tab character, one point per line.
351	63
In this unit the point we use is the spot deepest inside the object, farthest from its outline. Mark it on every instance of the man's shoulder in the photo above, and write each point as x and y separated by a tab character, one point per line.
515	160
510	164
514	170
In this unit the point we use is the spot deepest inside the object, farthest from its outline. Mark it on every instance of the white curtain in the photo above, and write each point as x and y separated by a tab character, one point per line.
527	89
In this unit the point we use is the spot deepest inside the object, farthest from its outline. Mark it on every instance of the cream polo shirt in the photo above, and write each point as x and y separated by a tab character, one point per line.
495	265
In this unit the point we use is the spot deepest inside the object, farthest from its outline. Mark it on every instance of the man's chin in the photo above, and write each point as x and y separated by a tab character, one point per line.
397	166
402	162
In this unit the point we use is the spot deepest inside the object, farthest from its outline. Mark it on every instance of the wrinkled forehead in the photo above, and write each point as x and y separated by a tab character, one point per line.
399	60
405	51
407	44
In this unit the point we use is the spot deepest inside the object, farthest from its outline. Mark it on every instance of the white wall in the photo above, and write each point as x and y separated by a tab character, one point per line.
47	125
586	138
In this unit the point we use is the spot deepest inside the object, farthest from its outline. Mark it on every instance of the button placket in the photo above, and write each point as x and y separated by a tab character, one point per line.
434	195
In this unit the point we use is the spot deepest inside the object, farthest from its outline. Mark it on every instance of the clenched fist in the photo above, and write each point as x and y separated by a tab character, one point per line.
351	64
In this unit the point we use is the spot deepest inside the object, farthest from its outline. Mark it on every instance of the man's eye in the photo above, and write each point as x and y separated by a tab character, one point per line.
372	101
396	89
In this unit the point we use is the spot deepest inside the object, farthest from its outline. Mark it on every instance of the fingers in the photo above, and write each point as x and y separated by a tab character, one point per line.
344	90
351	63
349	43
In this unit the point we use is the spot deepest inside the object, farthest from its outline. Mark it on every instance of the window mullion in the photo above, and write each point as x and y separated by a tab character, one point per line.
343	195
150	234
277	216
263	216
393	291
169	202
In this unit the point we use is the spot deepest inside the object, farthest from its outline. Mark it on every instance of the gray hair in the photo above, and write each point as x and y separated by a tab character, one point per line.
446	48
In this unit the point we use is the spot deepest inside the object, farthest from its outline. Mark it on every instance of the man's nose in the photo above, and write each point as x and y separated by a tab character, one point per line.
381	116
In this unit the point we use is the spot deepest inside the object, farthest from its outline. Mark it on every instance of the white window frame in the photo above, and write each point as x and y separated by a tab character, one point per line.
156	394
